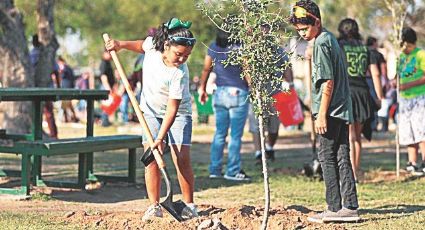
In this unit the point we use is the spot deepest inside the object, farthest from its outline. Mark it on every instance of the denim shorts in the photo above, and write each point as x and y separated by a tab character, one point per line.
180	132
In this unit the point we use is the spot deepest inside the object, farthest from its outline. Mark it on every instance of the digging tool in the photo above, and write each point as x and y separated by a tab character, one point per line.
174	208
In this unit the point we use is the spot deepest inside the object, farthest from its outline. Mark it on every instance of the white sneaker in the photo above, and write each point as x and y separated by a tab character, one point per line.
241	176
152	212
190	211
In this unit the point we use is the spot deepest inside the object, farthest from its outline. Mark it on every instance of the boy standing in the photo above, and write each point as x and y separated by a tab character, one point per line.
332	111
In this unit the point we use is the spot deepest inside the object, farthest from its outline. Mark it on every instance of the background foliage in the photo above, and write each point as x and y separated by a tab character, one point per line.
130	19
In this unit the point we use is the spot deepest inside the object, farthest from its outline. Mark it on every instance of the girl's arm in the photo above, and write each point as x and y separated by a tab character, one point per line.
374	71
170	115
136	46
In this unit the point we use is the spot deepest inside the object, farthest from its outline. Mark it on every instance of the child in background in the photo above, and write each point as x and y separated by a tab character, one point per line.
411	71
332	110
166	103
359	61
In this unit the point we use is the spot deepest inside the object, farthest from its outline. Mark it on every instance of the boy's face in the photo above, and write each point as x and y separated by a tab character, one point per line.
307	32
407	47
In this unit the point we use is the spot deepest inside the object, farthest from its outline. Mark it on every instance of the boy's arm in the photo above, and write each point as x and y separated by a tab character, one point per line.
204	79
408	85
321	124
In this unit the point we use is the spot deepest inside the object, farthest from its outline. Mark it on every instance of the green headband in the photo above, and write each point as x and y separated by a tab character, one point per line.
176	23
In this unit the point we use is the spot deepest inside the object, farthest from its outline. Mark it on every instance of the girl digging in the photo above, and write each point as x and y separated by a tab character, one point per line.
166	103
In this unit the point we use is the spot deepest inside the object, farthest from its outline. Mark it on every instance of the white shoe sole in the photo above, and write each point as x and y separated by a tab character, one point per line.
340	219
314	220
235	178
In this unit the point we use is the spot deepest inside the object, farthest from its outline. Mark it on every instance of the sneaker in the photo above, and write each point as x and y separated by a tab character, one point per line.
241	176
414	170
152	212
319	217
215	176
270	154
189	212
258	160
343	215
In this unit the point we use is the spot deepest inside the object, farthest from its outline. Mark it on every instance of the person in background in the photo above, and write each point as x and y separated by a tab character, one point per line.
108	82
83	82
231	105
48	105
67	81
359	61
135	80
372	44
411	73
272	121
332	109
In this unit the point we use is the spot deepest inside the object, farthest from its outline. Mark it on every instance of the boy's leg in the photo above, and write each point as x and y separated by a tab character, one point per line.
328	161
346	176
422	147
181	158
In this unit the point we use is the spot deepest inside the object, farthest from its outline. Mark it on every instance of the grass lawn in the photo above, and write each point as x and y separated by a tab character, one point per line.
384	204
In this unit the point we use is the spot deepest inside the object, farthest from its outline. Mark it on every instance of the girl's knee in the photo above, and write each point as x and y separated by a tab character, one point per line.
152	166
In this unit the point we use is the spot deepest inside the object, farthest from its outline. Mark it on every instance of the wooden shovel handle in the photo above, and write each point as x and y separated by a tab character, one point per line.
135	104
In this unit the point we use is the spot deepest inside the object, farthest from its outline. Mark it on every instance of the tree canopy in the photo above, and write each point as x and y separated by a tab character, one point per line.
130	19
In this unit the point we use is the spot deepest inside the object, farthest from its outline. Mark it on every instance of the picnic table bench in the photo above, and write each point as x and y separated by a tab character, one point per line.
32	147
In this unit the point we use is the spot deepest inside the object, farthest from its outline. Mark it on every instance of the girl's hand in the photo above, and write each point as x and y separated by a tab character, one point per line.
159	145
113	45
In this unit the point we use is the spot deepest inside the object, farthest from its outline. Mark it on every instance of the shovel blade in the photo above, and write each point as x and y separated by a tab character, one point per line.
174	208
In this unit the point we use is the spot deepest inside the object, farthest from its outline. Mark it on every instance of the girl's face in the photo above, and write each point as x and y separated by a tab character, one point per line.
175	55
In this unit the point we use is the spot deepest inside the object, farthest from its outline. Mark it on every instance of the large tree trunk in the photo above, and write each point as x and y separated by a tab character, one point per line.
47	37
15	68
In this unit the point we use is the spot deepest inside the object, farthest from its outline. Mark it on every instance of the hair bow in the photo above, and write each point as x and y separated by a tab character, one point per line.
176	23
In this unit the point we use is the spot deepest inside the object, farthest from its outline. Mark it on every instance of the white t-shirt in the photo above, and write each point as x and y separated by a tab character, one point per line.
161	83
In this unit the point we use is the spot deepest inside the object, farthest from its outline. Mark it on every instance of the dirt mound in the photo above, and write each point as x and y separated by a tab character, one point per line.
211	217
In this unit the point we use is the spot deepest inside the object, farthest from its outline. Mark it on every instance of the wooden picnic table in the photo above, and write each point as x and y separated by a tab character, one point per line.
32	147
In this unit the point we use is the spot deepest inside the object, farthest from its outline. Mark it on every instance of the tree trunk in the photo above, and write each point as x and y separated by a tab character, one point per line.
47	37
15	68
265	167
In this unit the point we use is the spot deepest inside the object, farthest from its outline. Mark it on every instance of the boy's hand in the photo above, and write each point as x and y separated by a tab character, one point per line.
203	96
321	125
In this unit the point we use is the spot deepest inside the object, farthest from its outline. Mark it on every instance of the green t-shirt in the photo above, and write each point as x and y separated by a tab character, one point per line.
412	68
329	64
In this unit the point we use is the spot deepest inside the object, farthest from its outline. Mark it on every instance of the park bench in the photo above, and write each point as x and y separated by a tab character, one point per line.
31	147
84	147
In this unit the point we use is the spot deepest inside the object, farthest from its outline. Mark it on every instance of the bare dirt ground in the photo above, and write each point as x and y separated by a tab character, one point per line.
121	205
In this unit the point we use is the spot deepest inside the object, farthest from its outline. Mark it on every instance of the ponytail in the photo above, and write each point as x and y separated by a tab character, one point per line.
175	32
